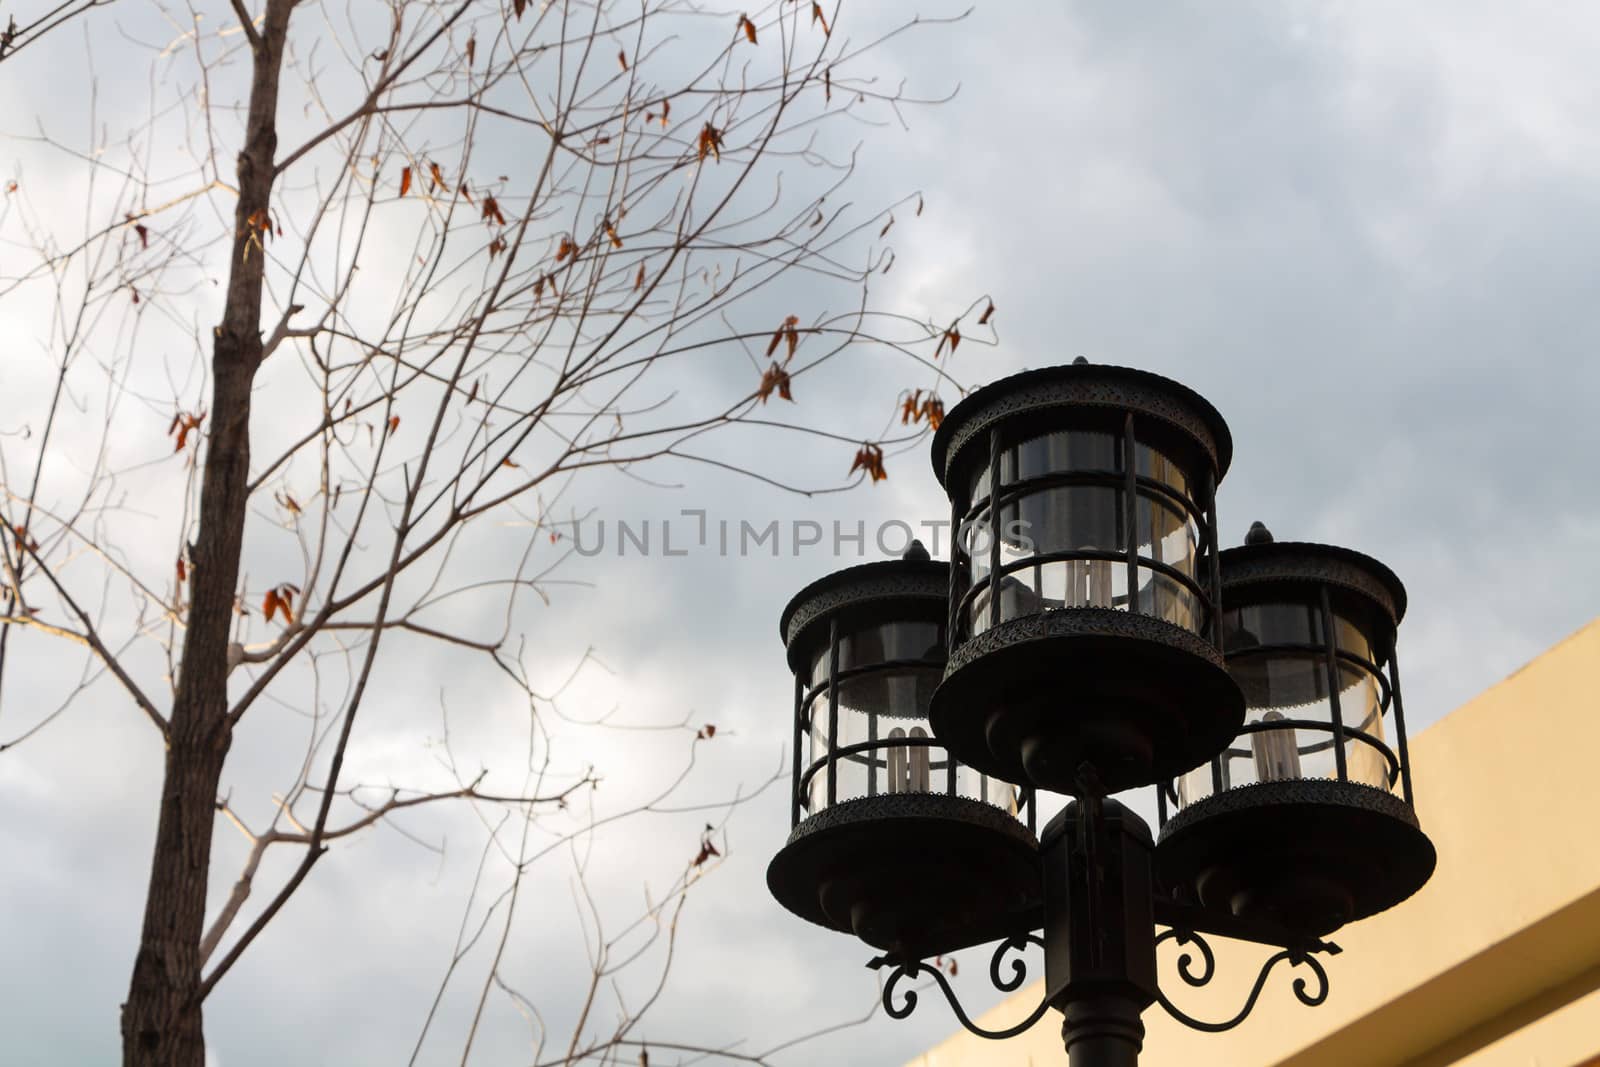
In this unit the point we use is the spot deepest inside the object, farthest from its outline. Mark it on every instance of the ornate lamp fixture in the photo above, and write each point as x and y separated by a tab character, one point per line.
1304	820
1087	612
1083	596
899	843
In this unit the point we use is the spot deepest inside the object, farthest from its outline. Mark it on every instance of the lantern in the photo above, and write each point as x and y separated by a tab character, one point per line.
1084	633
893	839
1304	821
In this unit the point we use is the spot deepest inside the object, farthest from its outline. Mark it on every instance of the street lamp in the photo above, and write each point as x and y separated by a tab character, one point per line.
1298	822
1083	623
1097	641
893	839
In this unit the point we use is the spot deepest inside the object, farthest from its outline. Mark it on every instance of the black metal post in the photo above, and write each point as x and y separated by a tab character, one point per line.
960	568
1130	506
1099	934
1400	723
1332	652
1103	1032
833	711
800	711
994	528
1213	557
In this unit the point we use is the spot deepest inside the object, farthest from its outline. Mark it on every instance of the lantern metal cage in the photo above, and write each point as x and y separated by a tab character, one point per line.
1084	626
893	839
1305	820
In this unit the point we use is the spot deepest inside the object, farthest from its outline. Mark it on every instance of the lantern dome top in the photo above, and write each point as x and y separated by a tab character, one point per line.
1261	561
914	584
1081	385
1259	534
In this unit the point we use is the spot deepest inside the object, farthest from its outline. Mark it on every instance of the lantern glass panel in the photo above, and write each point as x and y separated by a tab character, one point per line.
1155	464
1167	535
1053	453
887	674
1287	680
1087	514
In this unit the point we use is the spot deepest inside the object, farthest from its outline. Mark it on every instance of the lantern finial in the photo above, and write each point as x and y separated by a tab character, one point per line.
916	552
1080	361
1258	535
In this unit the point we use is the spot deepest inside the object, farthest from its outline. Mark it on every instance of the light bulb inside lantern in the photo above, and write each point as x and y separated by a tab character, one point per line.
1277	759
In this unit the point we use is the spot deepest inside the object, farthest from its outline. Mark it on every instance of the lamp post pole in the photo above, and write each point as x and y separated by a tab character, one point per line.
1099	930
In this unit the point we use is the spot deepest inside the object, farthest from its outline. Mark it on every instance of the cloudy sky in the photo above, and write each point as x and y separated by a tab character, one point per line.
1368	233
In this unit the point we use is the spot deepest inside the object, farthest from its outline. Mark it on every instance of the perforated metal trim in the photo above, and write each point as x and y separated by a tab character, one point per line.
887	806
1081	622
889	580
1296	791
1090	385
1248	566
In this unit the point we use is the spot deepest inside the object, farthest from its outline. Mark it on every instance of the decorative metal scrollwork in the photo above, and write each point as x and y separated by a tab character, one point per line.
1006	984
1297	957
1019	968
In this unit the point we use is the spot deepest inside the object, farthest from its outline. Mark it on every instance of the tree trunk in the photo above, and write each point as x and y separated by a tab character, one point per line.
162	1018
161	1021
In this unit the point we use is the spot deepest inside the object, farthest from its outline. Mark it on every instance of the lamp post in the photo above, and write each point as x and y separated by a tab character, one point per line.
1086	638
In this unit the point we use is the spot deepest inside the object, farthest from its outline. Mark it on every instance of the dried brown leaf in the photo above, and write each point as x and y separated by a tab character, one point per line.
181	424
869	458
911	408
774	378
710	142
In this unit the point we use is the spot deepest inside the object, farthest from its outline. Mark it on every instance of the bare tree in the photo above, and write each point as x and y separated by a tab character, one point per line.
467	252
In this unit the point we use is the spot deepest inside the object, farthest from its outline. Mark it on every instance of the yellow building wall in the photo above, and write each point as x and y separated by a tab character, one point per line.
1495	963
